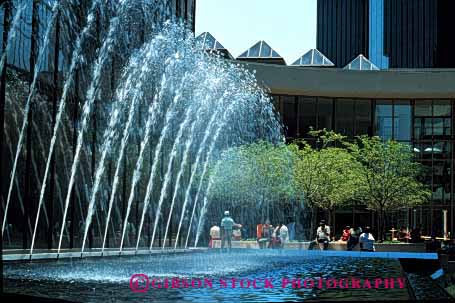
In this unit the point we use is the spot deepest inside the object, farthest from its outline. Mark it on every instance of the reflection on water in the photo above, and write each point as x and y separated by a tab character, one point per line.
107	280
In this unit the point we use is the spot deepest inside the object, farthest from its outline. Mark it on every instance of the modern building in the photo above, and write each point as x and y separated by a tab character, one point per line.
19	52
412	106
342	30
416	107
391	33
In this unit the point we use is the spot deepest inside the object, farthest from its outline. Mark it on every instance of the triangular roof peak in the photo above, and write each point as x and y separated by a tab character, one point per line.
313	57
260	49
361	63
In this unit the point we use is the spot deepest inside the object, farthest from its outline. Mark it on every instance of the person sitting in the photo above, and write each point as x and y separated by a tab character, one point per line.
259	232
276	242
432	245
244	233
214	235
346	234
366	240
403	235
237	234
416	234
354	234
323	236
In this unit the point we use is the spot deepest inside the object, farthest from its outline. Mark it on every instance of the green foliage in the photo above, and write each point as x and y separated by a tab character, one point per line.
389	174
383	175
257	173
326	177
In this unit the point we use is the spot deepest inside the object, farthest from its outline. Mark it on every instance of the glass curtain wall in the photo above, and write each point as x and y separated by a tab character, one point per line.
425	125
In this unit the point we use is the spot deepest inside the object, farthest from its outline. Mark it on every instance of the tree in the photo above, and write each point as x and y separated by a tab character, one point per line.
257	174
326	177
388	177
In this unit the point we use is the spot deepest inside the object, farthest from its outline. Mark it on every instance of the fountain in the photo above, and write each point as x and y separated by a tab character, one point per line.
134	143
196	104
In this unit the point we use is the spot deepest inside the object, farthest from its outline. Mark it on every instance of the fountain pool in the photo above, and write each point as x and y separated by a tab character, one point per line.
208	276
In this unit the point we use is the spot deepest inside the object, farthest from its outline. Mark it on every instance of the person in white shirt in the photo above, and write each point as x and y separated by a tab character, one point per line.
214	235
284	235
323	235
366	240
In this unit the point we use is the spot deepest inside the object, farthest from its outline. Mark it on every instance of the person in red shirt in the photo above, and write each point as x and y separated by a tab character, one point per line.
346	233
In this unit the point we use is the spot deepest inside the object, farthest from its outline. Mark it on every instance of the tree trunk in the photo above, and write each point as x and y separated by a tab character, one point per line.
314	212
381	226
332	223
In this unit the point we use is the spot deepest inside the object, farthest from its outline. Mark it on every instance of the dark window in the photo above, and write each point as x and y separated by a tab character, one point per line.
325	113
362	117
307	115
289	115
344	117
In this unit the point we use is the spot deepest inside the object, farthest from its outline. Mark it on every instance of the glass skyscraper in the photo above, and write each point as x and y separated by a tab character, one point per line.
390	33
376	34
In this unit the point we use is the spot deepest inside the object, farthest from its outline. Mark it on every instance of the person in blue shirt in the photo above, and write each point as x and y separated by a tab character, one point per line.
227	223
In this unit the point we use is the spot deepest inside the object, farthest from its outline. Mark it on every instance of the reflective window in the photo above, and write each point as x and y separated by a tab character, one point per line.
307	115
265	50
361	63
275	54
254	51
260	50
442	108
402	120
313	57
376	41
423	108
383	123
432	118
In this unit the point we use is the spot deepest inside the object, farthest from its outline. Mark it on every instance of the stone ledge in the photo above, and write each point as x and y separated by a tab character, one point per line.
339	246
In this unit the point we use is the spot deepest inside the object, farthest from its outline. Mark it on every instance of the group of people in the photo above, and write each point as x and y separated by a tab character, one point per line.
268	236
272	237
352	237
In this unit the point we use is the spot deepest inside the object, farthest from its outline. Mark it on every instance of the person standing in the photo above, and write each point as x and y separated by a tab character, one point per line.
267	232
227	223
284	235
323	235
366	240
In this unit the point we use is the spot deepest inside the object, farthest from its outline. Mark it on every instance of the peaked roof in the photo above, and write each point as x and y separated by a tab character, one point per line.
209	43
260	50
361	63
313	57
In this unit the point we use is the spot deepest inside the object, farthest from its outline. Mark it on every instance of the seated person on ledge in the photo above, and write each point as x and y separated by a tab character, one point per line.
366	240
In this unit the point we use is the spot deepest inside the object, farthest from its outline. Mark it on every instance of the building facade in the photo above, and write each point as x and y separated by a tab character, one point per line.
342	30
416	108
391	33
